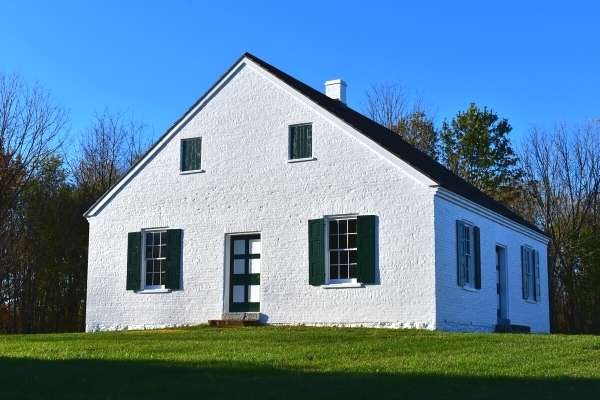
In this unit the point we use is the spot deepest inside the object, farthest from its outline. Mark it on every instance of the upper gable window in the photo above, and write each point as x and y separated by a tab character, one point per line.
191	150
300	142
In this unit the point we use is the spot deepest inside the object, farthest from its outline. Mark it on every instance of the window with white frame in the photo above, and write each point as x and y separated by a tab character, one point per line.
154	259
155	256
342	249
468	255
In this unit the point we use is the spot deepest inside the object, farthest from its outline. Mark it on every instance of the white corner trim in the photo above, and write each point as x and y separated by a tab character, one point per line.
342	285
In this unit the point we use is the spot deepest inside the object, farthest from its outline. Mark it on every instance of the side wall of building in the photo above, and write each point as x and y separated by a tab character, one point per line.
248	185
465	309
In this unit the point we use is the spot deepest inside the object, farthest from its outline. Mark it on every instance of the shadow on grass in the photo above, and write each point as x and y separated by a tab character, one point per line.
90	379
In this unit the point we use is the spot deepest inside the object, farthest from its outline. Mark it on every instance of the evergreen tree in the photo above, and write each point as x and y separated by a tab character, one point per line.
475	145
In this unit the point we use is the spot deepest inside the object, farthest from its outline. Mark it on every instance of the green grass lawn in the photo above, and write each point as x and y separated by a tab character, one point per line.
298	362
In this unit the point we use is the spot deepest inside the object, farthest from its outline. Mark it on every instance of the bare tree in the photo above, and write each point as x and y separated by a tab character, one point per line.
32	127
562	169
402	110
107	149
386	103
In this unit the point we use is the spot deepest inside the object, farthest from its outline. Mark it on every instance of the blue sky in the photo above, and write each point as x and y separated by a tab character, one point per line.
533	62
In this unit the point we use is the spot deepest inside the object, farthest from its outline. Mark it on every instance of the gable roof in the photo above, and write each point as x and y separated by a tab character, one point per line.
394	143
387	139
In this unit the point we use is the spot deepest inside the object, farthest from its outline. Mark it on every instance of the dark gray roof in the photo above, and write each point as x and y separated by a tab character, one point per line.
394	143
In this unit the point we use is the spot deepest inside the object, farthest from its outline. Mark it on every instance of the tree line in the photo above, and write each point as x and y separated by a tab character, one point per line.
48	179
551	178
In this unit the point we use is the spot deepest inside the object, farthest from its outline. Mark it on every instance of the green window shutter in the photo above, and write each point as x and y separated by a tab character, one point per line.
366	251
173	261
300	141
525	271
308	138
191	151
476	237
316	252
295	142
134	261
536	277
461	263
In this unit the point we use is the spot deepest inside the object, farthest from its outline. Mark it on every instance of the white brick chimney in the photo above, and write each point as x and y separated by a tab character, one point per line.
336	89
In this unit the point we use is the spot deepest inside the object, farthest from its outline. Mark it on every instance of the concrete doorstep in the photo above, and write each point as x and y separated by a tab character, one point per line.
230	320
512	329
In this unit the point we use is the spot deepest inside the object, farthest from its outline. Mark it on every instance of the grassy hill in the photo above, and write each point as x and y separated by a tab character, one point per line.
298	363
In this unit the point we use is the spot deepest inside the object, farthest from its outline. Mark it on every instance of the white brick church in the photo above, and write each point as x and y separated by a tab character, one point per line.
271	201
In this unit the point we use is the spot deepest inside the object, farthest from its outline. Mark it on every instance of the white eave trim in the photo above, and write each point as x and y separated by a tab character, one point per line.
162	141
460	201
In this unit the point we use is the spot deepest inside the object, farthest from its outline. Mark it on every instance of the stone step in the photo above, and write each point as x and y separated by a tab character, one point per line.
236	319
512	329
224	323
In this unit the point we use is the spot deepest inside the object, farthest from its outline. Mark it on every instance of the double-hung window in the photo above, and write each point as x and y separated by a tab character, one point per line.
530	268
300	142
154	259
468	255
342	250
155	246
191	154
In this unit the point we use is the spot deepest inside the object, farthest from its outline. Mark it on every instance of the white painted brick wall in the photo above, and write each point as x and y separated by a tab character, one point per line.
248	186
460	309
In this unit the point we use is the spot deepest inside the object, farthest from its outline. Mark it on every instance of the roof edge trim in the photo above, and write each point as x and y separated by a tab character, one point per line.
99	204
458	200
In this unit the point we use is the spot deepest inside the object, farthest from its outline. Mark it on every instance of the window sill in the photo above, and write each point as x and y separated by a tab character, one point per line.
196	171
531	301
295	160
153	291
342	285
470	289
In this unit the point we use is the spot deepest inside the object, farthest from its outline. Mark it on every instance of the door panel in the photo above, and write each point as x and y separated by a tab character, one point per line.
244	273
501	284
